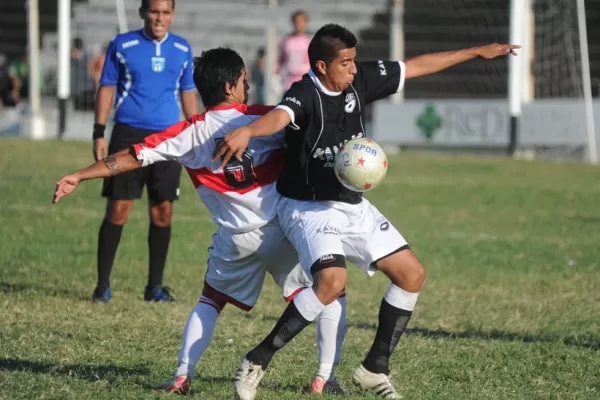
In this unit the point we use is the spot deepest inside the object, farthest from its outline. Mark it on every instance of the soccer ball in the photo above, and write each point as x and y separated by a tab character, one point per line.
360	165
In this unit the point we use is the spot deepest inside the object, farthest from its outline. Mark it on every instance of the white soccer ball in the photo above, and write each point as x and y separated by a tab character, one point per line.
360	165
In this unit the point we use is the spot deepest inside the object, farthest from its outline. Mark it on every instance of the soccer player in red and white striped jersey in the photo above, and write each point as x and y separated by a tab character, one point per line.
243	200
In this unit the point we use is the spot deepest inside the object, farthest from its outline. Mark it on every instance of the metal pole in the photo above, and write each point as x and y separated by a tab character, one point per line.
514	74
397	38
271	51
121	16
587	85
526	52
64	62
37	126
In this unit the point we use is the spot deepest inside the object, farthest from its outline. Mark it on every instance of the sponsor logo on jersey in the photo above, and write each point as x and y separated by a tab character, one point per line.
130	43
328	153
181	47
382	70
350	102
293	100
158	64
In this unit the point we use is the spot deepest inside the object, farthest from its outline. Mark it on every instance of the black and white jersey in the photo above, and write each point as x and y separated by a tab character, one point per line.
322	121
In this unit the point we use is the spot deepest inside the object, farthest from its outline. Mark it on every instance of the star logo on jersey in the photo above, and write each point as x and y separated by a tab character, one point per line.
158	64
429	122
361	162
350	103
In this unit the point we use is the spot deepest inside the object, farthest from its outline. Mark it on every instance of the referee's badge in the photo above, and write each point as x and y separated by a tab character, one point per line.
350	102
158	64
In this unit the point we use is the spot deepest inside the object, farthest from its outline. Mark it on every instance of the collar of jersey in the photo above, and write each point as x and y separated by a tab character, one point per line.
155	41
239	107
318	84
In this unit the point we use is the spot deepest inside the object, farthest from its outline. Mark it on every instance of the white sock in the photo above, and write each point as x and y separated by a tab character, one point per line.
308	305
331	329
400	298
197	335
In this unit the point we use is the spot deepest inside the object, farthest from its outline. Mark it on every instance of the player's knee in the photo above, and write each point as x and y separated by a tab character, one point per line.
404	270
118	211
329	283
161	214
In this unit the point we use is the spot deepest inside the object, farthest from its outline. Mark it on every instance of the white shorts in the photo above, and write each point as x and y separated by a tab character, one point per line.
358	232
237	265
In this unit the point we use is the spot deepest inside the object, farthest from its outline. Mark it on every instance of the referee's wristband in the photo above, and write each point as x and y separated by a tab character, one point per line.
98	131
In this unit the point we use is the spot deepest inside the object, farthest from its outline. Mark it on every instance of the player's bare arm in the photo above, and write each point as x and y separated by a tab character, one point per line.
103	106
427	64
189	103
112	165
236	140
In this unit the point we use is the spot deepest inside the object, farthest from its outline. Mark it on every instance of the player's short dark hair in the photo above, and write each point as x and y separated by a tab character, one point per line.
212	70
146	4
327	43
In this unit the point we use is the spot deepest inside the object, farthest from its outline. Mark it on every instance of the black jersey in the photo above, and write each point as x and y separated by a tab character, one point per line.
322	121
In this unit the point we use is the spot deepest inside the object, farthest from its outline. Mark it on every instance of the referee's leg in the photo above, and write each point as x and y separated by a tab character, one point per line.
163	190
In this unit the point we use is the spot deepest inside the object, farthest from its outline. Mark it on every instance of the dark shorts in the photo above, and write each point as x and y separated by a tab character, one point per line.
161	179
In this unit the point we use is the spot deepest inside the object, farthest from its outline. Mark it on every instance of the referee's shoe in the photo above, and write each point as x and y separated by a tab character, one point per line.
158	294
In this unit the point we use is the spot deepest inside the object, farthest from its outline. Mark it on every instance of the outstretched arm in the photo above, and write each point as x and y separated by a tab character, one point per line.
427	64
236	141
112	165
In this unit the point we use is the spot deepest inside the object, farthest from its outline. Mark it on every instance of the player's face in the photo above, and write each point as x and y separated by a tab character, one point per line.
240	91
340	72
158	18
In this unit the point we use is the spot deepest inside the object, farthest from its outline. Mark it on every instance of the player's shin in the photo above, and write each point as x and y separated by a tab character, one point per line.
197	335
395	312
304	309
331	329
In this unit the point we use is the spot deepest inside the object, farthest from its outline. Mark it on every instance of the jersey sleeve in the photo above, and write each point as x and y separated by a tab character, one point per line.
380	79
110	71
176	143
297	102
187	79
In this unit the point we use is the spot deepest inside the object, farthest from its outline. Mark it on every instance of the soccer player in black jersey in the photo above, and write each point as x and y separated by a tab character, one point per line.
326	222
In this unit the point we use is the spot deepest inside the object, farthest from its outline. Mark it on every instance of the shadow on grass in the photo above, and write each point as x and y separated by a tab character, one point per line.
86	372
584	342
11	288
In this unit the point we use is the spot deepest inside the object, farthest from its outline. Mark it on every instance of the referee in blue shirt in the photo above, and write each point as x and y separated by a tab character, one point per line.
146	73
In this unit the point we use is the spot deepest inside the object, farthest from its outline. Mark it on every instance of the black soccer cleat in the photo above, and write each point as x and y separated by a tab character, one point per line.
158	294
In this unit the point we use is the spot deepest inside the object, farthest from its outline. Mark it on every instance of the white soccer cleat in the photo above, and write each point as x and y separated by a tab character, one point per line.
247	379
377	383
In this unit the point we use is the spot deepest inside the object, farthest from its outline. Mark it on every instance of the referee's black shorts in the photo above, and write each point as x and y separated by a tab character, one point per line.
162	179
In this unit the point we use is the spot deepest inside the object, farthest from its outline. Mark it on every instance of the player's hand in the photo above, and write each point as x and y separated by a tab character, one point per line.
496	50
99	149
235	142
65	186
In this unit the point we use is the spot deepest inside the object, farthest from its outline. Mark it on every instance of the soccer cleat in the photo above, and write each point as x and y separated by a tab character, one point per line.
176	384
101	296
320	386
158	294
377	383
247	379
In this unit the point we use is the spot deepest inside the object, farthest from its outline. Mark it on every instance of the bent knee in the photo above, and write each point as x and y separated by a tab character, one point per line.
330	283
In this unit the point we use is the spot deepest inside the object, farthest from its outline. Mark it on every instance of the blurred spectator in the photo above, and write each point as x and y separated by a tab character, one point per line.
293	52
7	85
97	63
257	74
82	83
19	72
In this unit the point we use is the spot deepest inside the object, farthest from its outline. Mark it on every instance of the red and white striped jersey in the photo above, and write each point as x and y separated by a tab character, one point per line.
242	196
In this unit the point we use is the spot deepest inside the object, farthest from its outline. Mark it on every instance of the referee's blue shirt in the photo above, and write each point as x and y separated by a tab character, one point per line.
148	75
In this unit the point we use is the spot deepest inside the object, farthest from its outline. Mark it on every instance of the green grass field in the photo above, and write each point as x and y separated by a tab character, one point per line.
510	309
